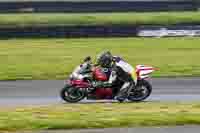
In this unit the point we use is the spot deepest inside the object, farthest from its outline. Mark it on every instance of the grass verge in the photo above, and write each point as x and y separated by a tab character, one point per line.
75	116
56	58
155	18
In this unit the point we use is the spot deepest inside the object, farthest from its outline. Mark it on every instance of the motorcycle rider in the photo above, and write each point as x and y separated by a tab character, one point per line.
120	70
82	70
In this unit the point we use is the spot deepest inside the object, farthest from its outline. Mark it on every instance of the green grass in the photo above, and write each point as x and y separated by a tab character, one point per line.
75	116
162	18
56	58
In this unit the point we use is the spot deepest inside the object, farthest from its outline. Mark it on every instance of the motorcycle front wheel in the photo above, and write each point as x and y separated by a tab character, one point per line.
71	94
141	92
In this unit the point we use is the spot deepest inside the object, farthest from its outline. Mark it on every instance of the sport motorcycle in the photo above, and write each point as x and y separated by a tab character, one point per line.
76	90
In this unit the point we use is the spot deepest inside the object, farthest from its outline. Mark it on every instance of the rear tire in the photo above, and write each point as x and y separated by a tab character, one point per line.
137	94
71	95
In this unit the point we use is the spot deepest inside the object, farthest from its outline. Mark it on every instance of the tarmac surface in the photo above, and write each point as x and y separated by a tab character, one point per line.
44	92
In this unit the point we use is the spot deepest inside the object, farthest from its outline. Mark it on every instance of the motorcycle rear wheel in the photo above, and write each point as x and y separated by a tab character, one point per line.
142	91
71	95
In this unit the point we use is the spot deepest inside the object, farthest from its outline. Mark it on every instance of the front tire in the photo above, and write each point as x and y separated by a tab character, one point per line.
71	94
142	91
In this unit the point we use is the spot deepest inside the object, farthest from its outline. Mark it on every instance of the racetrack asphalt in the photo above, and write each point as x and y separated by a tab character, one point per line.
44	92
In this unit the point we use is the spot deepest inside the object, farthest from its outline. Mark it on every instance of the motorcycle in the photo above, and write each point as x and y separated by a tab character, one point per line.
75	89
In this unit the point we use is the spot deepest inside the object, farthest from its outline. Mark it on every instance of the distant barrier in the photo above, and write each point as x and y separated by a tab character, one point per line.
72	31
101	31
97	6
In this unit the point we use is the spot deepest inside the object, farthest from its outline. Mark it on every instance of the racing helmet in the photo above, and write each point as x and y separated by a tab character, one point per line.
104	59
